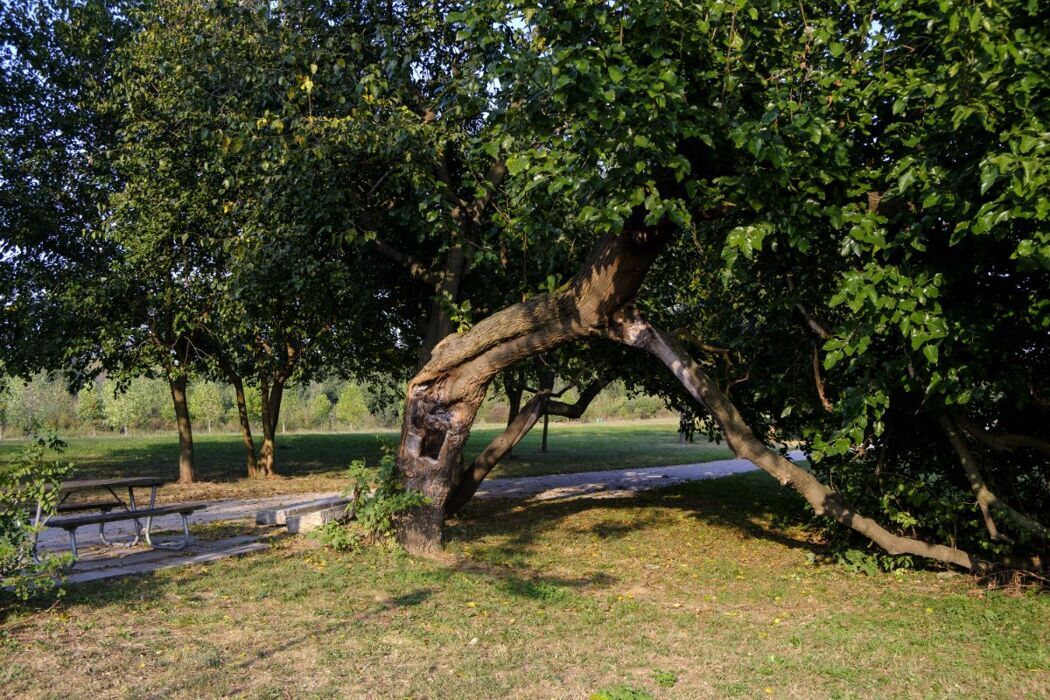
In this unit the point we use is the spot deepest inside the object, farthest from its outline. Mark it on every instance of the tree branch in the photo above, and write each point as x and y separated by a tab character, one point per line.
1003	442
575	410
814	325
518	428
415	268
515	431
629	328
986	500
820	382
493	179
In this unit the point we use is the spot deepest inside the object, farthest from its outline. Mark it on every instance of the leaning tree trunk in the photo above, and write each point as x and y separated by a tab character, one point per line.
182	421
246	427
631	329
443	398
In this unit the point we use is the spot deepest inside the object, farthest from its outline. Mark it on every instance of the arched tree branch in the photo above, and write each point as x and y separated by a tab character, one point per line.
631	329
1003	442
518	428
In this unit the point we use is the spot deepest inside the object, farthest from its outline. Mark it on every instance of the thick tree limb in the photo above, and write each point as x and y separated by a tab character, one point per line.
1003	442
539	405
518	428
631	329
986	500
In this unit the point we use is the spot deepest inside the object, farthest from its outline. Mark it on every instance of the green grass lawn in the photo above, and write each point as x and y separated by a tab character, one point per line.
315	462
712	589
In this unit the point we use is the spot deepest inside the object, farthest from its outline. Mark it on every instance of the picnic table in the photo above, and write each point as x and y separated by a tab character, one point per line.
114	509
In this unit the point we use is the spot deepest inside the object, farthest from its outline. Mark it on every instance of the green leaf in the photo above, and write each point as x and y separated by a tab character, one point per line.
931	352
517	163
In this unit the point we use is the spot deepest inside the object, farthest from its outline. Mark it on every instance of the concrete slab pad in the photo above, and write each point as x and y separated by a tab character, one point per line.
142	562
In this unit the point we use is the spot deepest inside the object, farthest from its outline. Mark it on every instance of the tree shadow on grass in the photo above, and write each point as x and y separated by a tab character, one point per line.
750	504
753	504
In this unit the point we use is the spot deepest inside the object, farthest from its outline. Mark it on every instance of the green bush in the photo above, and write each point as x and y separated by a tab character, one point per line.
376	499
28	480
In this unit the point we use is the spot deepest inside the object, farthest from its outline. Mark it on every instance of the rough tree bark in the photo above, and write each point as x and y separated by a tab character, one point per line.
182	421
443	398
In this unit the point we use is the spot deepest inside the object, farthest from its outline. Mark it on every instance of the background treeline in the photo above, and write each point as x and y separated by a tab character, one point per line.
333	405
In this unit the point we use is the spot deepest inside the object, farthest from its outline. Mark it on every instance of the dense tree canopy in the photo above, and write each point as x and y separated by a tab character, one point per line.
827	220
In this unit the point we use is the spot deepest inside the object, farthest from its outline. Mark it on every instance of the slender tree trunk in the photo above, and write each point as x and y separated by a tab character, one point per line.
439	324
546	384
514	387
443	398
182	421
271	409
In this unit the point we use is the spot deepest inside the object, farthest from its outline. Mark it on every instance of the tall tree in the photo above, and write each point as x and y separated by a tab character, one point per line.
741	128
246	138
55	177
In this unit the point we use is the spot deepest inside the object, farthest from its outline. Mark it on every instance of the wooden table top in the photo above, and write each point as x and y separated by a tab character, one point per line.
78	485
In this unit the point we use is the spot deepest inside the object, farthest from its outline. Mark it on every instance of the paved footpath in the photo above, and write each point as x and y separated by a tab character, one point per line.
599	484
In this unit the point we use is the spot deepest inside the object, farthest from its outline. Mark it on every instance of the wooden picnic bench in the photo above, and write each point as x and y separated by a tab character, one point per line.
71	524
115	509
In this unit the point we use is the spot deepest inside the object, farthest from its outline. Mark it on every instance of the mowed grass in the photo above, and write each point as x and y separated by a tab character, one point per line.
701	590
311	462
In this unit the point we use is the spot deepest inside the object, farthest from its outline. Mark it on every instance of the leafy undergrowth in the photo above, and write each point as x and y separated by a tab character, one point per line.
703	590
315	462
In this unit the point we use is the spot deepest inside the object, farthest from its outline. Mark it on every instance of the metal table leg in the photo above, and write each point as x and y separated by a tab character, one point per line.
130	505
185	535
